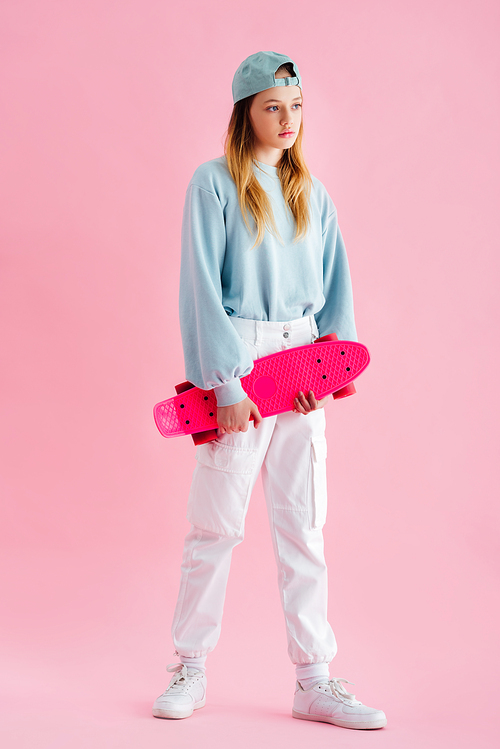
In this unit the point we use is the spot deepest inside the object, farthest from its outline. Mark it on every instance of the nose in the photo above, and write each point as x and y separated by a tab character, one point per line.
287	118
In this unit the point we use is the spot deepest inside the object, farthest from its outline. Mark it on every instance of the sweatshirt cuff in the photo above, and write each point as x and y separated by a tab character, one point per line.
230	393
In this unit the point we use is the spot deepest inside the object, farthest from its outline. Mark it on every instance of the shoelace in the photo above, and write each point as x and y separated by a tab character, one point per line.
341	692
180	679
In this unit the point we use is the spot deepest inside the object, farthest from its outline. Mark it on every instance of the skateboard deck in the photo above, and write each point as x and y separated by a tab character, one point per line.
323	367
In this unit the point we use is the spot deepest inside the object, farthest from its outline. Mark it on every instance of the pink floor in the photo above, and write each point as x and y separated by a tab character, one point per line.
83	671
127	723
114	710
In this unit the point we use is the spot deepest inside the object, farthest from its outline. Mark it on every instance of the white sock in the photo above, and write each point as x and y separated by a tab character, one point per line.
311	681
197	664
309	674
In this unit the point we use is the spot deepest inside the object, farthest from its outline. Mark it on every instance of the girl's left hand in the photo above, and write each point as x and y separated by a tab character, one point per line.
305	405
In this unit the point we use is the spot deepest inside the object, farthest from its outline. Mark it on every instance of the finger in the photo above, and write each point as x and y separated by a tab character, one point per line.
303	400
299	408
256	416
312	400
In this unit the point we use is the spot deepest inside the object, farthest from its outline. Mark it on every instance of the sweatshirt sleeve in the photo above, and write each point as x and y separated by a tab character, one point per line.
214	353
337	314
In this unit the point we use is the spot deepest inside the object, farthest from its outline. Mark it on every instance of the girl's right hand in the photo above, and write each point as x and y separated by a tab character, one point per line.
236	418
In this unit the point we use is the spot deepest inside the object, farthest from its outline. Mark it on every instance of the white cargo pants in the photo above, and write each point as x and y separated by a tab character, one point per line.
290	448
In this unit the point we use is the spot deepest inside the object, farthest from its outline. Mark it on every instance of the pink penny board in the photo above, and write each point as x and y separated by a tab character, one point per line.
273	383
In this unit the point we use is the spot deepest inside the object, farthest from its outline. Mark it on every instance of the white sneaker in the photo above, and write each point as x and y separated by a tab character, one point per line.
329	702
185	693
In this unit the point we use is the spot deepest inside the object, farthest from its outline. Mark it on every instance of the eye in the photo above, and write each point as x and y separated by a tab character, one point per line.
275	106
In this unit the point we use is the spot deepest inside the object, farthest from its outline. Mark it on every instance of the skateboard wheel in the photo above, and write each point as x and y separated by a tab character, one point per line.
345	391
325	338
199	438
183	387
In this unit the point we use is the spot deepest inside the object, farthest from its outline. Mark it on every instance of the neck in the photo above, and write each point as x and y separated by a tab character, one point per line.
269	156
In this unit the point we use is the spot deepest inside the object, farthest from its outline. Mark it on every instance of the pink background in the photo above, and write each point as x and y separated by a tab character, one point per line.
106	109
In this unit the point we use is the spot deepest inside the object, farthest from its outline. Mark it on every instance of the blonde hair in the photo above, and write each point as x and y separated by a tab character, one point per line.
292	171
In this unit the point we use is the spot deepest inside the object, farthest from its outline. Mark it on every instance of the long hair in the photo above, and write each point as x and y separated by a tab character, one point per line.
292	171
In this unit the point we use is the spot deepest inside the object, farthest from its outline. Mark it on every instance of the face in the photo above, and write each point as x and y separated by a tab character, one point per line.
276	114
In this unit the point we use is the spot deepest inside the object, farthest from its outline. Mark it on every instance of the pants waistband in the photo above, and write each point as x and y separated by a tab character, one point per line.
262	329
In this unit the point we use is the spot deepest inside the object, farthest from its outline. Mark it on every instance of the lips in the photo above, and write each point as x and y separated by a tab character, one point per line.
287	132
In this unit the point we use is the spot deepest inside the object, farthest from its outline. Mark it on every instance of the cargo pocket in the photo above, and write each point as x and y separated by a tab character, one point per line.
220	488
319	498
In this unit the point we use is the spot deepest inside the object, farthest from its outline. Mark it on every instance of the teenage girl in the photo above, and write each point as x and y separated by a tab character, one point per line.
263	269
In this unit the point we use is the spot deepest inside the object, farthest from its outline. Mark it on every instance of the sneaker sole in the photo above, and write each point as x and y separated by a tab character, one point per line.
380	723
177	714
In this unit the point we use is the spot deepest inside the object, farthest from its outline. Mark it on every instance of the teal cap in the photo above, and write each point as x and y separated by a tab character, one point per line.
256	73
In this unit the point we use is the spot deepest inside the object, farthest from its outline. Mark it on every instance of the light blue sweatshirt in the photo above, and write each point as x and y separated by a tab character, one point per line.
221	275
